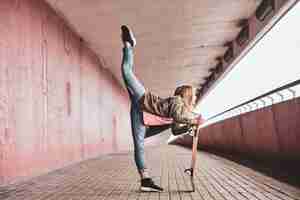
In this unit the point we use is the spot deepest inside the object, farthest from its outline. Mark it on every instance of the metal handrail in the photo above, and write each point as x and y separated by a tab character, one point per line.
297	82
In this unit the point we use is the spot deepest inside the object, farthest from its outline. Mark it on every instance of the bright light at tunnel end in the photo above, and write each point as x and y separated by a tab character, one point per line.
272	63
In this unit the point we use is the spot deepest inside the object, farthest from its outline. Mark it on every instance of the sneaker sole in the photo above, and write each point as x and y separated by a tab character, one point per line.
131	38
147	189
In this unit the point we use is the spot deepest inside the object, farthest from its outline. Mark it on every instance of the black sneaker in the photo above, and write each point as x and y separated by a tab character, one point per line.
147	185
127	35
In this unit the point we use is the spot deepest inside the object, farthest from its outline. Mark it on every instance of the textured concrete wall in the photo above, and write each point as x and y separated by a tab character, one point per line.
58	105
269	133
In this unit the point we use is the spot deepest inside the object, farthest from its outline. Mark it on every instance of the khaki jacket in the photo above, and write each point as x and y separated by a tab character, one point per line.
172	107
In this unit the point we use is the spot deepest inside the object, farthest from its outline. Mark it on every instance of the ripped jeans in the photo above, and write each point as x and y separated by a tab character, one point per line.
136	90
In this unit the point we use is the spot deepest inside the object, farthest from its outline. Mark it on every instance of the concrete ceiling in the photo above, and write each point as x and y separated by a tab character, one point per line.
177	41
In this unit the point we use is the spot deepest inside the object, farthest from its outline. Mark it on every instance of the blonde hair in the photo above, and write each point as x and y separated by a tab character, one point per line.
186	93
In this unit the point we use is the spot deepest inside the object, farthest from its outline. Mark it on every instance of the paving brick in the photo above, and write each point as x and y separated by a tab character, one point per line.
114	177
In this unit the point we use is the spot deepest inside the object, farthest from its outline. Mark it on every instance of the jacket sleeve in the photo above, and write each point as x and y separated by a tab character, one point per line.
180	113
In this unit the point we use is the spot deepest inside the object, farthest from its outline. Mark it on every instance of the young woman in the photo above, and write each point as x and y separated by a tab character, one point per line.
177	107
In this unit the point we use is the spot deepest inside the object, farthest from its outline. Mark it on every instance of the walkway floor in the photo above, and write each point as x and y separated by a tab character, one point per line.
114	177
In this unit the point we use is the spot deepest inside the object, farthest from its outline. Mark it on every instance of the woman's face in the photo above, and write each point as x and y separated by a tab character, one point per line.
192	101
194	98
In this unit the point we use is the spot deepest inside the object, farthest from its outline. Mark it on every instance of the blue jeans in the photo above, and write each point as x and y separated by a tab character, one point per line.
136	90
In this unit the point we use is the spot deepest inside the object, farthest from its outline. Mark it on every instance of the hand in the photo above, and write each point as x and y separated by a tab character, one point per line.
199	120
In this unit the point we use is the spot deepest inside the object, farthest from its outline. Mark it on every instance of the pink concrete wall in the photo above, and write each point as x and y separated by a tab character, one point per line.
287	119
233	130
259	134
58	105
269	133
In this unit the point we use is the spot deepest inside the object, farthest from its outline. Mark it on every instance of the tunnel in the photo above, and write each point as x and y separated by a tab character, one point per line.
65	128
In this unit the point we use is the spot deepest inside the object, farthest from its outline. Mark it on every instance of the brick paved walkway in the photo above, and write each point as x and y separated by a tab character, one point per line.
115	177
